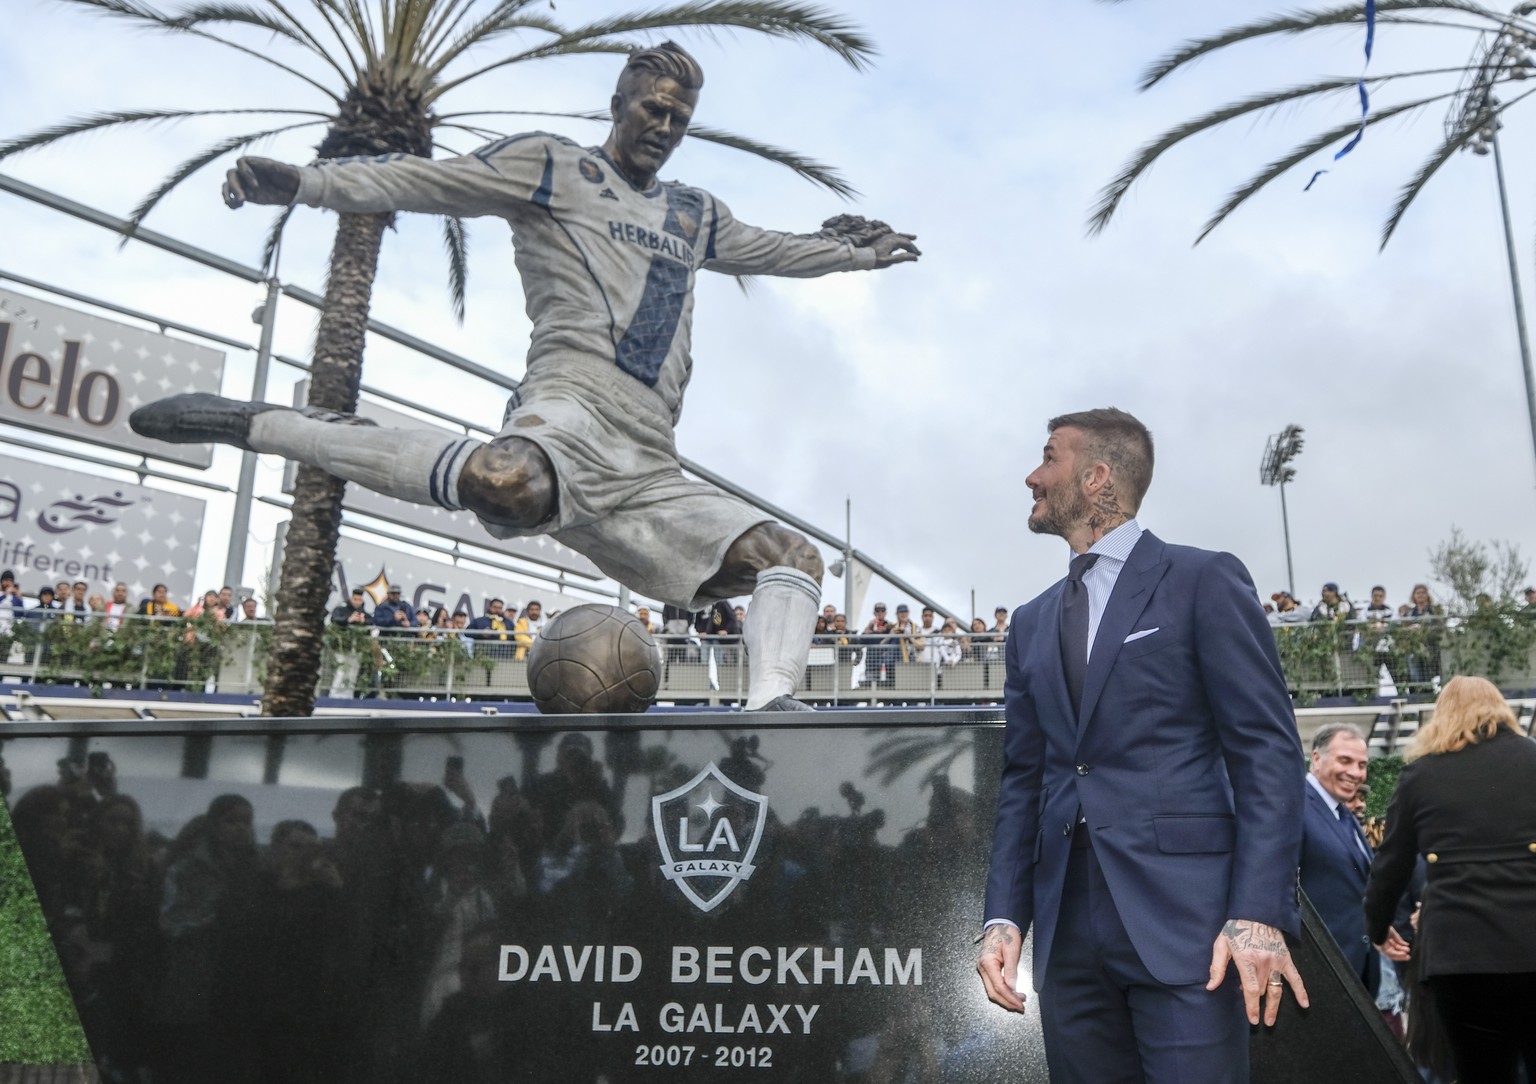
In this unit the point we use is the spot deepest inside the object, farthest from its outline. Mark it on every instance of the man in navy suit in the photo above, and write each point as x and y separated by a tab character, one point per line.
1335	858
1149	816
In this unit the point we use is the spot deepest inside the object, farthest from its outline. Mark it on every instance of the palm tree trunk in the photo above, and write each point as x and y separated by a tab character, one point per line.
309	556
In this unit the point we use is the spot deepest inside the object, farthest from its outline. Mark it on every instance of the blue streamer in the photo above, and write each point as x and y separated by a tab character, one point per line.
1365	112
1365	96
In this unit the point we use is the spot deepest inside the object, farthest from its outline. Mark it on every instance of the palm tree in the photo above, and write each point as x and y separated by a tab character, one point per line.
381	69
1475	107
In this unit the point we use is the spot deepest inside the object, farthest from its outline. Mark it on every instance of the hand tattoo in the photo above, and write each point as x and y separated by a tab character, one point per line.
995	937
1245	938
1244	934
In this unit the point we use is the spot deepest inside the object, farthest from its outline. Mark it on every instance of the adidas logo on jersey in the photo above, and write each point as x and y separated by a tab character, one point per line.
607	193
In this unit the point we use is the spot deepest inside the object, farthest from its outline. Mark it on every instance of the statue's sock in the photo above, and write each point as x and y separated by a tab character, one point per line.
778	634
411	464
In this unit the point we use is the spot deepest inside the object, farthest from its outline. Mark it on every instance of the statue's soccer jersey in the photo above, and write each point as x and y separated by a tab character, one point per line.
607	269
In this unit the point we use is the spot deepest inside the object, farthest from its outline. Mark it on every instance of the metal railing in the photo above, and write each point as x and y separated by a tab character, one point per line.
1361	660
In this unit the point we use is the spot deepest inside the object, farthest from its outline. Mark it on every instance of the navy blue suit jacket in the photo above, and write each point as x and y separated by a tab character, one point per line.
1333	875
1183	760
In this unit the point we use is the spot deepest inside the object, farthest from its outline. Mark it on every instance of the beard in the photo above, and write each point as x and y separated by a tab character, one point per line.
1065	508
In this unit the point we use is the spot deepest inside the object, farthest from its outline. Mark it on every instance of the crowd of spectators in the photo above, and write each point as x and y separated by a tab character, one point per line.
506	630
502	631
1284	608
70	602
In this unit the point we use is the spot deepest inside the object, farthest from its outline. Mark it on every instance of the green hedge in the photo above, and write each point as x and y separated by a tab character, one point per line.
38	1025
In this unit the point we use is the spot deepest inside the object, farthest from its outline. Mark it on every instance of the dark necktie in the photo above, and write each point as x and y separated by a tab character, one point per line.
1074	628
1356	837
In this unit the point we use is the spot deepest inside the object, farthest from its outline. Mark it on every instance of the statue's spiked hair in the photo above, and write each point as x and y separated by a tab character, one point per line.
668	59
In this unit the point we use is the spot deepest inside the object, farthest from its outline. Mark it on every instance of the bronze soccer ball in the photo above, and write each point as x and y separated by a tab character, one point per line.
594	659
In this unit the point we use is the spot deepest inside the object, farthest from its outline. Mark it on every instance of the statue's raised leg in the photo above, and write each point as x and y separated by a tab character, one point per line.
414	465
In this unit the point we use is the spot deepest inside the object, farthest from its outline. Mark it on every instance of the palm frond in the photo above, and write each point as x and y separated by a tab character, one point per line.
1295	23
336	21
456	244
781	20
96	121
484	135
1442	154
274	240
243	15
891	758
1115	192
558	47
1253	185
808	168
455	13
197	162
506	19
143	13
304	34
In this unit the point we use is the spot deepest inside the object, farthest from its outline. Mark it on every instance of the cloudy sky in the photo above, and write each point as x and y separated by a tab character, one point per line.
986	127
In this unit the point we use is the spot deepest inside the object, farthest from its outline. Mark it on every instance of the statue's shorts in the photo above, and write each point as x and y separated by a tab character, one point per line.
623	501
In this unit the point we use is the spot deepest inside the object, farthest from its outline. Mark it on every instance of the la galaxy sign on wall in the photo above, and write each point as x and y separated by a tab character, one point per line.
708	830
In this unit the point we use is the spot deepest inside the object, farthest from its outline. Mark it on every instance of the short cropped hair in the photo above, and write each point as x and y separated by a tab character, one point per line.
667	59
1325	735
1118	439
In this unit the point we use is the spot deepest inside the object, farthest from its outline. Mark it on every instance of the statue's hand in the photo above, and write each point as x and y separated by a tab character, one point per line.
890	247
895	248
260	180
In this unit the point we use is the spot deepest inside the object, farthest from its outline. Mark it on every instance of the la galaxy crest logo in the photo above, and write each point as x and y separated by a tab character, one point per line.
708	830
590	170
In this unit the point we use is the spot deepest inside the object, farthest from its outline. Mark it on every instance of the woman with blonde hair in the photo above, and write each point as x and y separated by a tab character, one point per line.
1467	803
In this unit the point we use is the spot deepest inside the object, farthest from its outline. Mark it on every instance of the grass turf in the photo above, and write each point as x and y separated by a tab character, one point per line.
38	1025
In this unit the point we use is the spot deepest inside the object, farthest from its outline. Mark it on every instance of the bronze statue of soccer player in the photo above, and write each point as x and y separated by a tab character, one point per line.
586	453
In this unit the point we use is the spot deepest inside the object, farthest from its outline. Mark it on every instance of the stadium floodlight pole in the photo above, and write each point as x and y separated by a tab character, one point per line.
1514	286
1274	470
245	490
1473	119
848	559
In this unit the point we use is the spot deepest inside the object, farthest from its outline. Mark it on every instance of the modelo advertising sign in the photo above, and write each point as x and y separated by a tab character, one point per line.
59	524
80	376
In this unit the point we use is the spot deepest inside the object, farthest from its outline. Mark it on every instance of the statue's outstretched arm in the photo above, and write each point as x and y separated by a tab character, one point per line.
845	243
488	182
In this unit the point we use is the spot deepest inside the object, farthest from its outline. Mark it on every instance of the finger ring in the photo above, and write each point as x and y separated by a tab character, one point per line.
1276	982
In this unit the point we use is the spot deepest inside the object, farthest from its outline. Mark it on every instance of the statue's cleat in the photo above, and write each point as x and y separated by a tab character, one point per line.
198	418
203	418
785	702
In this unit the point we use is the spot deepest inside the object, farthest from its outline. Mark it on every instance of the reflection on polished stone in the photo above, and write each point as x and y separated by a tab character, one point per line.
681	904
439	902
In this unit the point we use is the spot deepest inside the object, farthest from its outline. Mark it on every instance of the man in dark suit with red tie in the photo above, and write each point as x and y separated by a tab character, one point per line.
1149	815
1335	857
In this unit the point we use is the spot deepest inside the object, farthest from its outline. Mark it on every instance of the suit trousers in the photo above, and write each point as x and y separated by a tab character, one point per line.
1106	1020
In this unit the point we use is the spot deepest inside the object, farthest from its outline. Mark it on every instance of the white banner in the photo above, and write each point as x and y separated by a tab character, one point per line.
458	526
58	524
80	376
424	583
861	578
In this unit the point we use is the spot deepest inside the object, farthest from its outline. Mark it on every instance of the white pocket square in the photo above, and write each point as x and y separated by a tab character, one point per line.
1139	635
